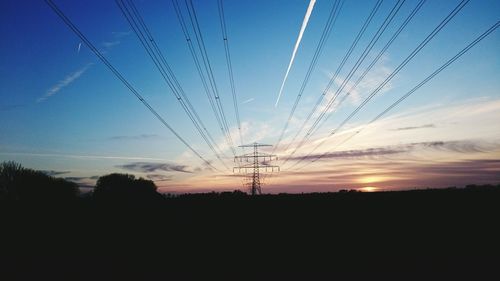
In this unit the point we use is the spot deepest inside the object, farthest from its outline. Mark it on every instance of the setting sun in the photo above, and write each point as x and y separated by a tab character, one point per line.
369	189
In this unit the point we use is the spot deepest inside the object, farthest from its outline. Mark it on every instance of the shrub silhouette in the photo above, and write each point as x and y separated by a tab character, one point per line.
19	183
125	188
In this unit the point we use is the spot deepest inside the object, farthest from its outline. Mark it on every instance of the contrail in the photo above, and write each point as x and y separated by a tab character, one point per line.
79	46
64	83
248	100
302	29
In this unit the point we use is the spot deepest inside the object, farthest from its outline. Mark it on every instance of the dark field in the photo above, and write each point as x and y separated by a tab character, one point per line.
423	235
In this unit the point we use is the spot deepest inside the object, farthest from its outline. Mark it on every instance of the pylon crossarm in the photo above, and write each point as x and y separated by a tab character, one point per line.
255	145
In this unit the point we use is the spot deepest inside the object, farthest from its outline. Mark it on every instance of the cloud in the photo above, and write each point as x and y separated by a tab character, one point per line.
149	167
117	35
75	75
415	127
458	121
86	182
297	43
248	100
352	153
464	167
462	146
64	83
450	146
354	91
158	177
109	44
54	173
135	137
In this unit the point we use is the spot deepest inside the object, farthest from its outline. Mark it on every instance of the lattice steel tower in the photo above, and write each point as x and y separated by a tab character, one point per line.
254	162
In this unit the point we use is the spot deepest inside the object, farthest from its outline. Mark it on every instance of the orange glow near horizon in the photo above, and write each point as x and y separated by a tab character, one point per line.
369	189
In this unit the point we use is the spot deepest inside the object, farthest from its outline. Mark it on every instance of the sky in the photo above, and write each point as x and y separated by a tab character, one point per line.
64	112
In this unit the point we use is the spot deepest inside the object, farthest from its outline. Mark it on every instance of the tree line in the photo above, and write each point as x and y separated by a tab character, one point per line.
18	183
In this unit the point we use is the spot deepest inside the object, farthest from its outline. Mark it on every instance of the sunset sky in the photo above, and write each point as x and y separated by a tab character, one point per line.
63	111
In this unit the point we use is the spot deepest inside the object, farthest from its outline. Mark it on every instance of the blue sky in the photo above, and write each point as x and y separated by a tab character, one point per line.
63	110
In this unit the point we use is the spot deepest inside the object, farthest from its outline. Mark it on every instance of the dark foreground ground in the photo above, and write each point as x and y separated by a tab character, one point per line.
413	235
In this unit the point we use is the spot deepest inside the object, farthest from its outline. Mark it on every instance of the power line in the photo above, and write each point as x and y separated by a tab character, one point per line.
388	19
166	71
358	63
89	44
422	44
437	71
339	68
208	68
378	56
413	90
229	65
418	86
147	40
189	42
337	6
436	30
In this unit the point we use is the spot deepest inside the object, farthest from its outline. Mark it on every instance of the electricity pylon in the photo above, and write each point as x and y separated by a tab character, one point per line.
254	162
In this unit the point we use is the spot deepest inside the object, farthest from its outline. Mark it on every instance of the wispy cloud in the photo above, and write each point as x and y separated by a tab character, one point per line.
449	146
109	44
86	182
370	82
148	167
466	118
299	38
159	177
64	83
135	137
354	91
70	78
248	100
116	40
415	127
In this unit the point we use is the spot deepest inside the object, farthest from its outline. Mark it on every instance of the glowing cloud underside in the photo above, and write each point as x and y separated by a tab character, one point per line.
302	29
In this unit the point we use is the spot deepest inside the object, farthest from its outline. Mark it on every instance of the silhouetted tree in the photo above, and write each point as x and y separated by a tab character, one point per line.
9	171
19	183
125	188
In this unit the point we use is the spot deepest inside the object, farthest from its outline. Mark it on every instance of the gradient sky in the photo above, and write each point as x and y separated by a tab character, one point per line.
63	111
